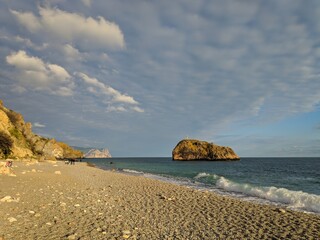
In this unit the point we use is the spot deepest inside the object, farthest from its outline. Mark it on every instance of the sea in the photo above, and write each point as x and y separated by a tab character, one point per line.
287	182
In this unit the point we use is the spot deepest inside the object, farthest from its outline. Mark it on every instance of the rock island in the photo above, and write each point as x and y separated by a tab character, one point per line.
191	149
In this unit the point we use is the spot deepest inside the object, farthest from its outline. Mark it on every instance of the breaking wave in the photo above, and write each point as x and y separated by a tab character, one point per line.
132	171
294	199
206	175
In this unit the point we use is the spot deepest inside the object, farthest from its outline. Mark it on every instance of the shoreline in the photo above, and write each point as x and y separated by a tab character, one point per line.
51	200
201	186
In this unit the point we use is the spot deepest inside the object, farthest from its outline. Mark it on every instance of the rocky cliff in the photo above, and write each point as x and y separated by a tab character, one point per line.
18	141
190	149
96	153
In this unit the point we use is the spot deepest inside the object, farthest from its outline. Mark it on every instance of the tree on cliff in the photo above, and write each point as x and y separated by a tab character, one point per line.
5	144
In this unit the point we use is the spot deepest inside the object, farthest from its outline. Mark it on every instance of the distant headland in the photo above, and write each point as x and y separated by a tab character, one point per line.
192	149
96	153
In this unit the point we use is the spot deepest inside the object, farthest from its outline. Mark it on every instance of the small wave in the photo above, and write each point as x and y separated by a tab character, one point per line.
295	199
206	175
132	171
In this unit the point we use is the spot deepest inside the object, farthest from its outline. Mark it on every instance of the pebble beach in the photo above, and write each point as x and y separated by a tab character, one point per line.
52	200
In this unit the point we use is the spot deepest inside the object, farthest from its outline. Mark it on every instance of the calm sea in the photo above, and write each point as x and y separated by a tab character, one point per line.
293	182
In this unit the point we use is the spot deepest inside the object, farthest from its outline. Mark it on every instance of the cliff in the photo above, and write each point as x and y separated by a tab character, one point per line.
189	149
96	153
18	141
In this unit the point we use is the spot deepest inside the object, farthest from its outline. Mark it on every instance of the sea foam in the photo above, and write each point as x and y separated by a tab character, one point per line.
206	175
132	171
295	199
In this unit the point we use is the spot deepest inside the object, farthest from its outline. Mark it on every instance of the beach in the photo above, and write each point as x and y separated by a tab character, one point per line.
52	200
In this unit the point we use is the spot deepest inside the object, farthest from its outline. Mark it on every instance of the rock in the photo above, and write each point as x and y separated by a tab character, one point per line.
52	149
281	210
5	199
7	171
126	232
96	153
57	172
72	237
12	219
190	149
99	229
9	199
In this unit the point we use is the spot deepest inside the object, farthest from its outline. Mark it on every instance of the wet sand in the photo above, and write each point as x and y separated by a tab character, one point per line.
51	200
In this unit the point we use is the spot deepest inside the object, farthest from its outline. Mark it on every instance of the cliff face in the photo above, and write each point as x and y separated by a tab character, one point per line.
18	141
189	149
96	153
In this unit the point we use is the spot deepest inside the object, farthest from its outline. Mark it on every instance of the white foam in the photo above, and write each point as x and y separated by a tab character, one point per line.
201	175
132	171
204	175
295	199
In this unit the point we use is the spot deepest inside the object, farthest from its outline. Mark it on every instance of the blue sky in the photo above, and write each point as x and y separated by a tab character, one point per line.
138	76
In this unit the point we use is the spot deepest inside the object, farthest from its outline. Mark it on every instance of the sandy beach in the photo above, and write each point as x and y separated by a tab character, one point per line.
51	200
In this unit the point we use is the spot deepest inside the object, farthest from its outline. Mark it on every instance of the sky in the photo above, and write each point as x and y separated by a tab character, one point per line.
138	76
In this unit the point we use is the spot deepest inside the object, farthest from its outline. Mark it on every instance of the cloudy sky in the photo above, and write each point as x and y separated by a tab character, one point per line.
137	76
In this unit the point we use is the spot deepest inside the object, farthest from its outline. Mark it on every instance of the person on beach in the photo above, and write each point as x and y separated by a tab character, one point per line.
70	161
8	164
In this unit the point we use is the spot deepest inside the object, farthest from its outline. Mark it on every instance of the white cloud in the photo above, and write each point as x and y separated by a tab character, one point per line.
39	125
30	21
116	109
113	95
22	61
138	109
87	2
118	97
18	89
71	53
34	73
59	71
64	91
91	81
72	27
30	44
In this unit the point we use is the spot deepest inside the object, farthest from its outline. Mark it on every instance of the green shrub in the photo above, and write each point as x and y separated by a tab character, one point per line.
13	116
16	133
5	143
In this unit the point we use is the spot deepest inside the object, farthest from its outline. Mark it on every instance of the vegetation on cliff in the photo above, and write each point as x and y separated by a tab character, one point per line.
18	141
5	144
191	149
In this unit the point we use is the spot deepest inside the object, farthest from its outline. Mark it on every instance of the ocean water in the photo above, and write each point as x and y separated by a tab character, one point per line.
289	182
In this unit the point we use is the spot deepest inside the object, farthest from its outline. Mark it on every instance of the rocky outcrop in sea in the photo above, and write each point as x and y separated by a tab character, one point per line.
191	149
96	153
18	141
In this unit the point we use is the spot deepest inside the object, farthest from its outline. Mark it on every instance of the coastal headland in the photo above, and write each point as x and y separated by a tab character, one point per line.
51	200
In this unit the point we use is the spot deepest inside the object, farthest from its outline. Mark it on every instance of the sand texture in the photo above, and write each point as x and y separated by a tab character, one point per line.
57	201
